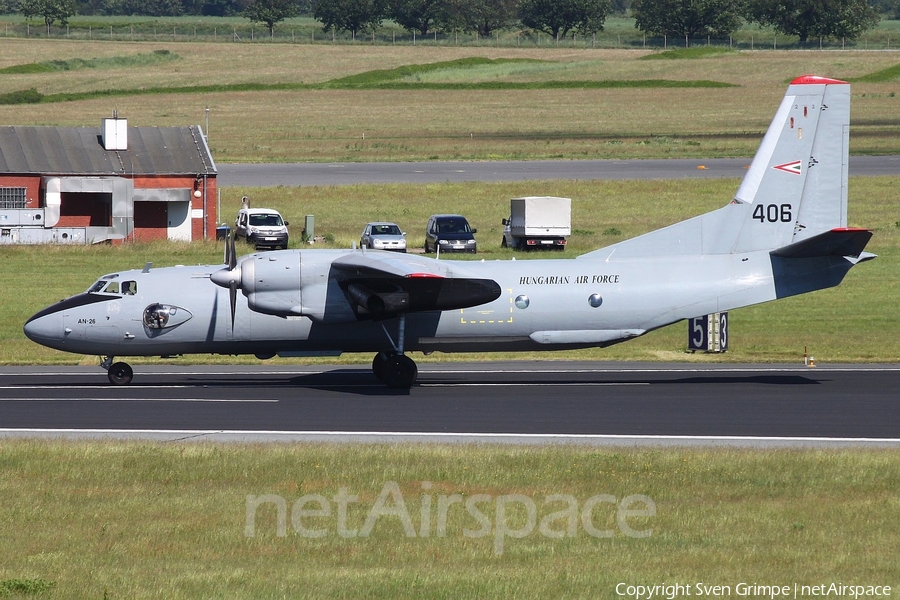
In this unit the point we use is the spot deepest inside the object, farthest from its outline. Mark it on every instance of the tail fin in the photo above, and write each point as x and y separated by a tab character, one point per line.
795	189
797	182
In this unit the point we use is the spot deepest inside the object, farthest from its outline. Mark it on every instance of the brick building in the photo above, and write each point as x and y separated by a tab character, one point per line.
109	183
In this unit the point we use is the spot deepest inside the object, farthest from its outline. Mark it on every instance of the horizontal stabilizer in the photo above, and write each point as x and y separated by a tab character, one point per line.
842	241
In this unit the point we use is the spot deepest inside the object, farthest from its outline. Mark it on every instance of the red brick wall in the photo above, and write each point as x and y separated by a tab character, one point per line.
150	221
32	185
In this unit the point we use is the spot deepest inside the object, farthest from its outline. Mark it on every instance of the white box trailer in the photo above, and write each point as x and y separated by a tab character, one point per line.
538	222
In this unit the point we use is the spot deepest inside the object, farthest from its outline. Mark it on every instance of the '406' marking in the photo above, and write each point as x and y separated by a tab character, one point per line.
772	213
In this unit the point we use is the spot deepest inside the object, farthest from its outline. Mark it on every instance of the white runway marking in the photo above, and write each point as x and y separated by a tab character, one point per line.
467	438
92	387
539	384
127	399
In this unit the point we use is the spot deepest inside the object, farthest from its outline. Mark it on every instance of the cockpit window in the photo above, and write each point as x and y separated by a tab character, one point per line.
112	287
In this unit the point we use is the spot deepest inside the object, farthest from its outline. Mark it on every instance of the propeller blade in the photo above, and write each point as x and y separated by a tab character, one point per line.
229	277
232	297
230	253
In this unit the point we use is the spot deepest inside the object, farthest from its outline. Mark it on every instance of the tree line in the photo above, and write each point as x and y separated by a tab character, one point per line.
808	20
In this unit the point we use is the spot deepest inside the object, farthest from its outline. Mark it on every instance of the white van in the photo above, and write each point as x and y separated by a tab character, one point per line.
262	227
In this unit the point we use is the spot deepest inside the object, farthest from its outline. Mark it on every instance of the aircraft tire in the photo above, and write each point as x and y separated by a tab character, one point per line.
378	365
120	373
400	372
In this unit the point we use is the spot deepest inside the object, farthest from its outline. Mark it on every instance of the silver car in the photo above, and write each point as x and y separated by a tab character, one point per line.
383	236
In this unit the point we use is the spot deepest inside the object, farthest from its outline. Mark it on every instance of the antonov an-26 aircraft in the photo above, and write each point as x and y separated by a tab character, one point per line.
784	233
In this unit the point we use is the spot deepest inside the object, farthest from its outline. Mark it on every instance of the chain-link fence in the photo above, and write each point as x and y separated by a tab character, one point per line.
308	31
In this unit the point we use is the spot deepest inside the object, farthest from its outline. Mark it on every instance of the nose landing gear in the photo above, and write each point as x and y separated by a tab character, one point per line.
119	373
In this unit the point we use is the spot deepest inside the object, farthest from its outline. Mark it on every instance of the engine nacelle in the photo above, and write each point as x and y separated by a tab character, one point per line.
271	283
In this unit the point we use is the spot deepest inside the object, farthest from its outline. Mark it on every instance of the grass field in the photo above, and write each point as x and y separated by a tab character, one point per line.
279	107
132	520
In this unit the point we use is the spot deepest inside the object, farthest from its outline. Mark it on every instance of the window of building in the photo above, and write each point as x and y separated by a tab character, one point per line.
13	197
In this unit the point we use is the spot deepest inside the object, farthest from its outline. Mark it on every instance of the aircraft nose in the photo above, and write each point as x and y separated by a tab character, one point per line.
45	328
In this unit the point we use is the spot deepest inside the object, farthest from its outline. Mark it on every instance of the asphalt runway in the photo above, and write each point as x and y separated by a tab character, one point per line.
531	402
306	174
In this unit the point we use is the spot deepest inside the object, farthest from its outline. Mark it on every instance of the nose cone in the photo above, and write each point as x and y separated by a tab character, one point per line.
46	328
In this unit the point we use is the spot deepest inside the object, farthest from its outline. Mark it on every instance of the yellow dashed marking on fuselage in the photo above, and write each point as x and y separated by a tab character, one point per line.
464	321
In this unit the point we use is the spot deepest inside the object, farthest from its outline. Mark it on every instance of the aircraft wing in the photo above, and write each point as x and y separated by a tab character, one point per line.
381	284
393	263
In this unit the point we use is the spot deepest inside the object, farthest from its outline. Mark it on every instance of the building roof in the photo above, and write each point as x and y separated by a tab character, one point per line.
79	151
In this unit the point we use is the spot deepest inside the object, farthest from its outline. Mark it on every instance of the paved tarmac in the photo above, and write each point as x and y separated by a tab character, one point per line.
307	174
530	402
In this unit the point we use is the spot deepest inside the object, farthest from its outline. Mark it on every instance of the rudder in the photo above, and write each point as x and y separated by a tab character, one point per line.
797	183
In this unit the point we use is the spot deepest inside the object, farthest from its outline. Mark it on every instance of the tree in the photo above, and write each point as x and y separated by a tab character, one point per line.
51	10
620	7
419	16
270	12
354	16
155	8
687	18
889	8
481	16
815	18
558	17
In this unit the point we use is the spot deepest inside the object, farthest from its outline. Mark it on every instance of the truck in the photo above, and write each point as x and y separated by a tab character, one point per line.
538	222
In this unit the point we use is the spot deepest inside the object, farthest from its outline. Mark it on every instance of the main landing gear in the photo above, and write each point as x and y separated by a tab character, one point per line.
394	368
119	373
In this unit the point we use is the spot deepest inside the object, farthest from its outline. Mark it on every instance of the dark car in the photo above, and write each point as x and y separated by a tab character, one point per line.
449	233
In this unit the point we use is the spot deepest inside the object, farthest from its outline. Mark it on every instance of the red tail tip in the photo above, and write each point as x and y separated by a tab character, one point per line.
815	79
